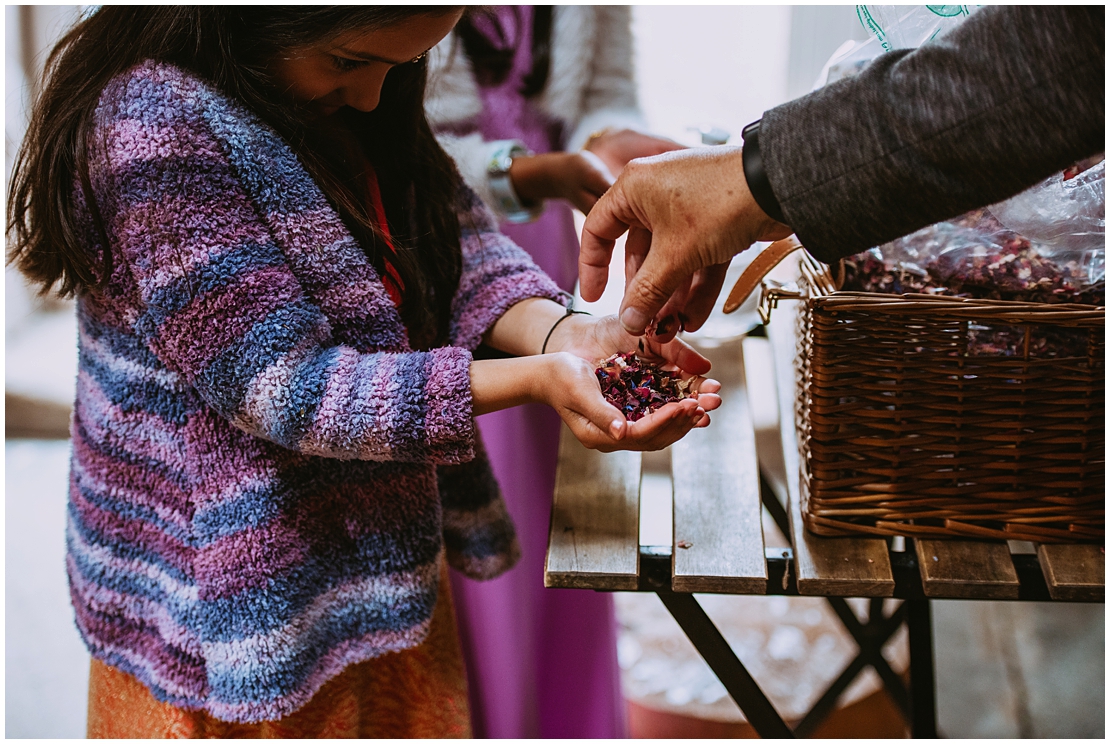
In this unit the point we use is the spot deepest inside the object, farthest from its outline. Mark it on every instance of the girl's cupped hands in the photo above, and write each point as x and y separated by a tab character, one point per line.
575	348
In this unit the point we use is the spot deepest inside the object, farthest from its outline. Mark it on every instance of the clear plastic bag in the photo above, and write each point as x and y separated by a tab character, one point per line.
1065	217
848	60
976	255
909	26
890	27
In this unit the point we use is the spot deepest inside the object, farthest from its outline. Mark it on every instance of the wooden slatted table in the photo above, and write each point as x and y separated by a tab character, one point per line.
718	547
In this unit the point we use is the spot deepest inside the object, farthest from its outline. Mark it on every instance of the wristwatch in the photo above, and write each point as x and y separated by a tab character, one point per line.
501	185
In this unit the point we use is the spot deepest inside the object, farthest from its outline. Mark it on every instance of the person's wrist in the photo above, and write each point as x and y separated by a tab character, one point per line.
505	185
539	378
496	384
530	178
573	325
537	369
755	223
548	369
755	173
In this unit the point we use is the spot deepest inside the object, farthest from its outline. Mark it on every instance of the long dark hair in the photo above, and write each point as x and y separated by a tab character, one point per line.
491	62
230	46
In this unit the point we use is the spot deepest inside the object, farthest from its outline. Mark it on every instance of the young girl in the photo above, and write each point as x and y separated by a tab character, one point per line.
281	283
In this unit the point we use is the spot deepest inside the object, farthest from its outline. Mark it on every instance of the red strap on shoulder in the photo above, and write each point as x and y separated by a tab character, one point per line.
391	279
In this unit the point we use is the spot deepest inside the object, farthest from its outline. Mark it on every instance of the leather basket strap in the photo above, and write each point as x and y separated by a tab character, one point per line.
769	258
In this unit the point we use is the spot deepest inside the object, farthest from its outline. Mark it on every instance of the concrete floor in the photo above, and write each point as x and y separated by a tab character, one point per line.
1020	670
1003	669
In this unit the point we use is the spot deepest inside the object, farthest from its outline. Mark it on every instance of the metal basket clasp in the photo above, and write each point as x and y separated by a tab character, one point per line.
771	291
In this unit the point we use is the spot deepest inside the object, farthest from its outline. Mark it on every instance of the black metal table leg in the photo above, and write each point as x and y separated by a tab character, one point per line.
773	504
729	670
923	724
871	639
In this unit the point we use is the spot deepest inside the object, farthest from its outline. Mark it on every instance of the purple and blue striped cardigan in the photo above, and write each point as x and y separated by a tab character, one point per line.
265	476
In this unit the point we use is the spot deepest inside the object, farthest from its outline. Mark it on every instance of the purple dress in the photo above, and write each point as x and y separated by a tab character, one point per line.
541	663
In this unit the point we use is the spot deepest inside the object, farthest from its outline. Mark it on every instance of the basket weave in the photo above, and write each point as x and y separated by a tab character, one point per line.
905	430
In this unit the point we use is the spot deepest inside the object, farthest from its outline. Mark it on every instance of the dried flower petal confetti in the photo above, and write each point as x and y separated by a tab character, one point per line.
975	256
637	387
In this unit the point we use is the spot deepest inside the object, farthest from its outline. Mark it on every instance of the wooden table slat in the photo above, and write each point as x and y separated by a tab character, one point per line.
1074	572
830	566
966	569
594	541
718	530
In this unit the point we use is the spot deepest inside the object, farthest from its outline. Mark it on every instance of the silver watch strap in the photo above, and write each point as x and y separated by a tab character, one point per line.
505	197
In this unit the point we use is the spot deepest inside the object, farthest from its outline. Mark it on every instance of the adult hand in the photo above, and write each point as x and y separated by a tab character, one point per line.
616	147
687	213
578	177
594	339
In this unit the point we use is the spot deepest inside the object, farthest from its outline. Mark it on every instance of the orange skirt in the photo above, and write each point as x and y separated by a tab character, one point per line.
416	693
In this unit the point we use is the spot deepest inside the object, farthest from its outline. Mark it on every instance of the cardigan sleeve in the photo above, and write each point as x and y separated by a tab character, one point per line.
217	301
496	274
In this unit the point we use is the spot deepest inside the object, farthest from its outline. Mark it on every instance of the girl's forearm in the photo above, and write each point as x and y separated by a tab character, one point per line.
503	383
521	330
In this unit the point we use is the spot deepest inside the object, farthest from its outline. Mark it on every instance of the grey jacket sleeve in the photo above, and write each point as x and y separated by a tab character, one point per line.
1012	95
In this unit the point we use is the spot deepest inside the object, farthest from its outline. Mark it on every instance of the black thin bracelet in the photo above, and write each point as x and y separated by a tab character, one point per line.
756	175
570	311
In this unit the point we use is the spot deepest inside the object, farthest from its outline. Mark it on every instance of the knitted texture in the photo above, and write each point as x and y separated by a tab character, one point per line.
253	493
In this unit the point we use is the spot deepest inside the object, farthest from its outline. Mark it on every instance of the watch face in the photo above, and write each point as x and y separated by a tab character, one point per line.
500	164
502	159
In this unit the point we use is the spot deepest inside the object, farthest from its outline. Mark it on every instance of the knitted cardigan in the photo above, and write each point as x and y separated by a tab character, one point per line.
265	476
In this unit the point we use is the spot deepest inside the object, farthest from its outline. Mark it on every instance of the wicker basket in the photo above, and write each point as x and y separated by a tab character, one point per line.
932	416
909	424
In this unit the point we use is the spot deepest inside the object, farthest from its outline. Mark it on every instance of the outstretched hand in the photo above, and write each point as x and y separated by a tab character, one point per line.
687	213
615	147
578	177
